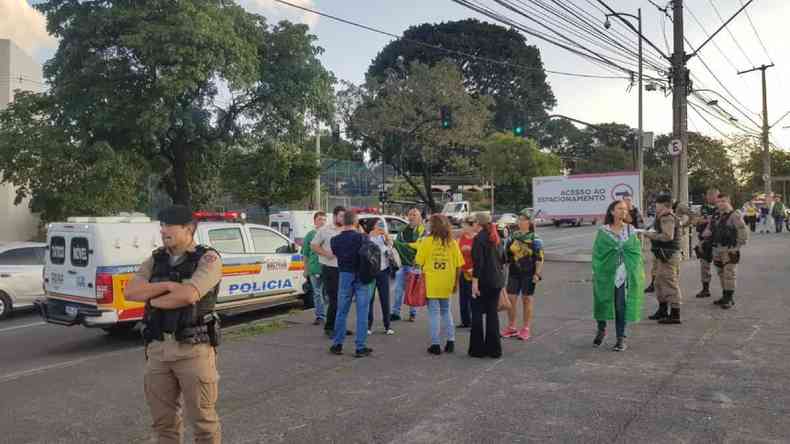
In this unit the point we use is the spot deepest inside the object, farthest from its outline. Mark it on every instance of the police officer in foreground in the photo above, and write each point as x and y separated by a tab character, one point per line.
179	285
665	244
704	248
729	233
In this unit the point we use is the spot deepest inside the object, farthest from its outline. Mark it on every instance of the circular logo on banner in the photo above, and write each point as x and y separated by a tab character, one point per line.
621	190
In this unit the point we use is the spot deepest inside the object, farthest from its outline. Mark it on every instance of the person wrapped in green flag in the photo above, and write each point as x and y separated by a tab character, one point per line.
618	275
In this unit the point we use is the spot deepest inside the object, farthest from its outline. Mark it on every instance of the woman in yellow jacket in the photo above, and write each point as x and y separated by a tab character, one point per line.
441	261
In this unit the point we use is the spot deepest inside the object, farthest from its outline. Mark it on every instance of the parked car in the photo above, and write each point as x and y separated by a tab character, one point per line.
21	268
572	221
507	219
393	224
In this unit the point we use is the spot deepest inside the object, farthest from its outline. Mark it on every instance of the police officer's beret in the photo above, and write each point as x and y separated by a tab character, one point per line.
176	215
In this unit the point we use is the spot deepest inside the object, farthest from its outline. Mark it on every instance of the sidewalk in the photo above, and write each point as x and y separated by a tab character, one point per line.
721	376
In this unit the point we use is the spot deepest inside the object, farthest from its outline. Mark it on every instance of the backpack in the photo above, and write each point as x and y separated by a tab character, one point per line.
369	261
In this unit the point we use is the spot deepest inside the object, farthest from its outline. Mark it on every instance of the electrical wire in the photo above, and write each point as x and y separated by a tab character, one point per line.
448	50
696	110
730	33
707	35
756	34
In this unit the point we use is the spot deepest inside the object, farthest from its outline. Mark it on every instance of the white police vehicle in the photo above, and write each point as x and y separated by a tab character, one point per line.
89	261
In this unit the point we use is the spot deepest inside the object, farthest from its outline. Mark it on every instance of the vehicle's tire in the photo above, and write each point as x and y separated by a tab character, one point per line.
595	221
557	223
120	330
6	306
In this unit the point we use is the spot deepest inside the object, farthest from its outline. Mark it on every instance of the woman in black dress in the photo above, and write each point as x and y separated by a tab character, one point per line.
487	281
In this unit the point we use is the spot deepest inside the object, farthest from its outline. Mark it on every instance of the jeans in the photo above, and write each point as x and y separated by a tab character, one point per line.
350	286
619	313
382	283
437	308
485	342
400	289
319	299
465	301
779	221
329	279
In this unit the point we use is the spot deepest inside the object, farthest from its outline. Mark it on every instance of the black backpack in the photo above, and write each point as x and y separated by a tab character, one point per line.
369	261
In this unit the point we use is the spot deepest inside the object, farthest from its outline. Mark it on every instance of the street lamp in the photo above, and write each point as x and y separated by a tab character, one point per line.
640	143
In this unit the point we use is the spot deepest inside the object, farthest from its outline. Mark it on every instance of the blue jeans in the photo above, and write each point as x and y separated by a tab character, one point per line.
619	313
318	296
437	308
348	288
382	283
400	289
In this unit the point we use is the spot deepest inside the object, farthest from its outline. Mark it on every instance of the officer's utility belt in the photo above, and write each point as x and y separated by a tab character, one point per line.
733	257
664	255
207	332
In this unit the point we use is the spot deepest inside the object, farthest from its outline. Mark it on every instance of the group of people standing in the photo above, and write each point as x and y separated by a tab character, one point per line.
767	218
480	266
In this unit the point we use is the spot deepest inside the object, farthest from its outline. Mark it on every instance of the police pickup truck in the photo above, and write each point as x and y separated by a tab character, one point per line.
89	261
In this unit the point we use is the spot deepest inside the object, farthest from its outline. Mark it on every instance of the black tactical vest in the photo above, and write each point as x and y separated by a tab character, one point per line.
725	234
175	320
668	246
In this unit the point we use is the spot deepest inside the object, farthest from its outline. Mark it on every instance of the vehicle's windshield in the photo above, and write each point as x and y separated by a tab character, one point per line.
452	207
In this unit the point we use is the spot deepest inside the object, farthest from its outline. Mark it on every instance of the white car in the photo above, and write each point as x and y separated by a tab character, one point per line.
393	224
507	219
21	268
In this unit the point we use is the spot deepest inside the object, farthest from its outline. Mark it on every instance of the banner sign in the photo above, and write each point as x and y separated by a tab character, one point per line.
582	195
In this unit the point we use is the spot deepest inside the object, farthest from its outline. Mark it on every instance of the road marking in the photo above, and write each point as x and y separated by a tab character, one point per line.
22	326
34	371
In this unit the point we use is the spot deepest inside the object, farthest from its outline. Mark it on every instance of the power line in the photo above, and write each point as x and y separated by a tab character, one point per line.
705	31
447	50
756	34
694	108
730	32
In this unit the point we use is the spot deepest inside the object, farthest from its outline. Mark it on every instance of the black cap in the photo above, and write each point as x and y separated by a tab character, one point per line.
176	215
664	198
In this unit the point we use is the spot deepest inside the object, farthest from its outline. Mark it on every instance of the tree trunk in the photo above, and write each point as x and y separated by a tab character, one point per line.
427	182
181	194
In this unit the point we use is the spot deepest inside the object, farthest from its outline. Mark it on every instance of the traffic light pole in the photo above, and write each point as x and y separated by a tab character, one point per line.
317	205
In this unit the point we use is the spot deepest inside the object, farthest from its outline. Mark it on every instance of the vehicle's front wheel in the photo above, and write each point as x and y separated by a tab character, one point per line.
557	223
5	305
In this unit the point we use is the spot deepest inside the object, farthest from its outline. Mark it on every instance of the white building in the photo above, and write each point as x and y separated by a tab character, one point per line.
18	71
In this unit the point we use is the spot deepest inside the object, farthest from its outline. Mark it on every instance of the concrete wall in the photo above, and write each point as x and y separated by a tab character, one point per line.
18	71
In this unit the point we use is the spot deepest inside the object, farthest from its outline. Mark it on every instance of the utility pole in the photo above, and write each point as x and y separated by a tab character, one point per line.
318	157
766	129
680	168
640	154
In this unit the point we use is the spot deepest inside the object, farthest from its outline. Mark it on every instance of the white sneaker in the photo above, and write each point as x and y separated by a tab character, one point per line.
370	332
390	332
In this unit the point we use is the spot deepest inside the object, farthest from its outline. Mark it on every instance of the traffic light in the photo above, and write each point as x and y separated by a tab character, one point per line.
335	134
383	196
518	127
446	116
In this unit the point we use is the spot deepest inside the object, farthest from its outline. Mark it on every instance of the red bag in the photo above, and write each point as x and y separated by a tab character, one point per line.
415	290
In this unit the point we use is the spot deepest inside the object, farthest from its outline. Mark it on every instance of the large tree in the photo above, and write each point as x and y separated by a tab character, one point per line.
517	84
398	120
177	82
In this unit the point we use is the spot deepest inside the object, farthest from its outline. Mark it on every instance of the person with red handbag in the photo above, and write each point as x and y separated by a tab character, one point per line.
488	278
406	245
440	259
465	241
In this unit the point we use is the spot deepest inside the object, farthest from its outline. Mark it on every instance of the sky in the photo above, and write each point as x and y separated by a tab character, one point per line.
349	51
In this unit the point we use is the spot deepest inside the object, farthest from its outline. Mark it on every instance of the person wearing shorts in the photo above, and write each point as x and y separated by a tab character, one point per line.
524	256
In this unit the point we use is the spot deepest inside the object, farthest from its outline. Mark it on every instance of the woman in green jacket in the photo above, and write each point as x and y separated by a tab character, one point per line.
618	275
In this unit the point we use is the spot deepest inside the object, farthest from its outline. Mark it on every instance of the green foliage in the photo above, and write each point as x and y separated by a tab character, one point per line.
268	173
517	92
145	78
397	119
60	174
605	159
512	162
751	164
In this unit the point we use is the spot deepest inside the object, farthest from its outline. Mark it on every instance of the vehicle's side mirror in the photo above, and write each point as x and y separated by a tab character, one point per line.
293	248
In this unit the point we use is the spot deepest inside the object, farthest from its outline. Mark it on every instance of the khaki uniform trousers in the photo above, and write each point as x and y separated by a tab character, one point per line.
726	268
668	280
182	374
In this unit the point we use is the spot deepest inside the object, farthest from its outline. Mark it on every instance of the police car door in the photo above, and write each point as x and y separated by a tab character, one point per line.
238	263
282	268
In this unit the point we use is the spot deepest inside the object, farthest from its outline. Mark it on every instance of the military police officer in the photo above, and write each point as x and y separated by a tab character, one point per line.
179	284
665	239
704	249
728	233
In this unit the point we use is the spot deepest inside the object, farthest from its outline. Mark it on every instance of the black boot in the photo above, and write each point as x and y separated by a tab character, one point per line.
449	347
599	337
620	345
661	313
720	300
705	293
674	317
728	301
652	287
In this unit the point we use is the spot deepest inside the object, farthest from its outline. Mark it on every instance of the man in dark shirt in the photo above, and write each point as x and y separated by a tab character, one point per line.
346	247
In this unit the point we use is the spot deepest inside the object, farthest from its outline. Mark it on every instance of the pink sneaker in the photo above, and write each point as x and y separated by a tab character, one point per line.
510	332
523	334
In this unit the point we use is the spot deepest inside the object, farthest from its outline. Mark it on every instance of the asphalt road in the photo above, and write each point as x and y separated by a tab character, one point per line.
28	345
